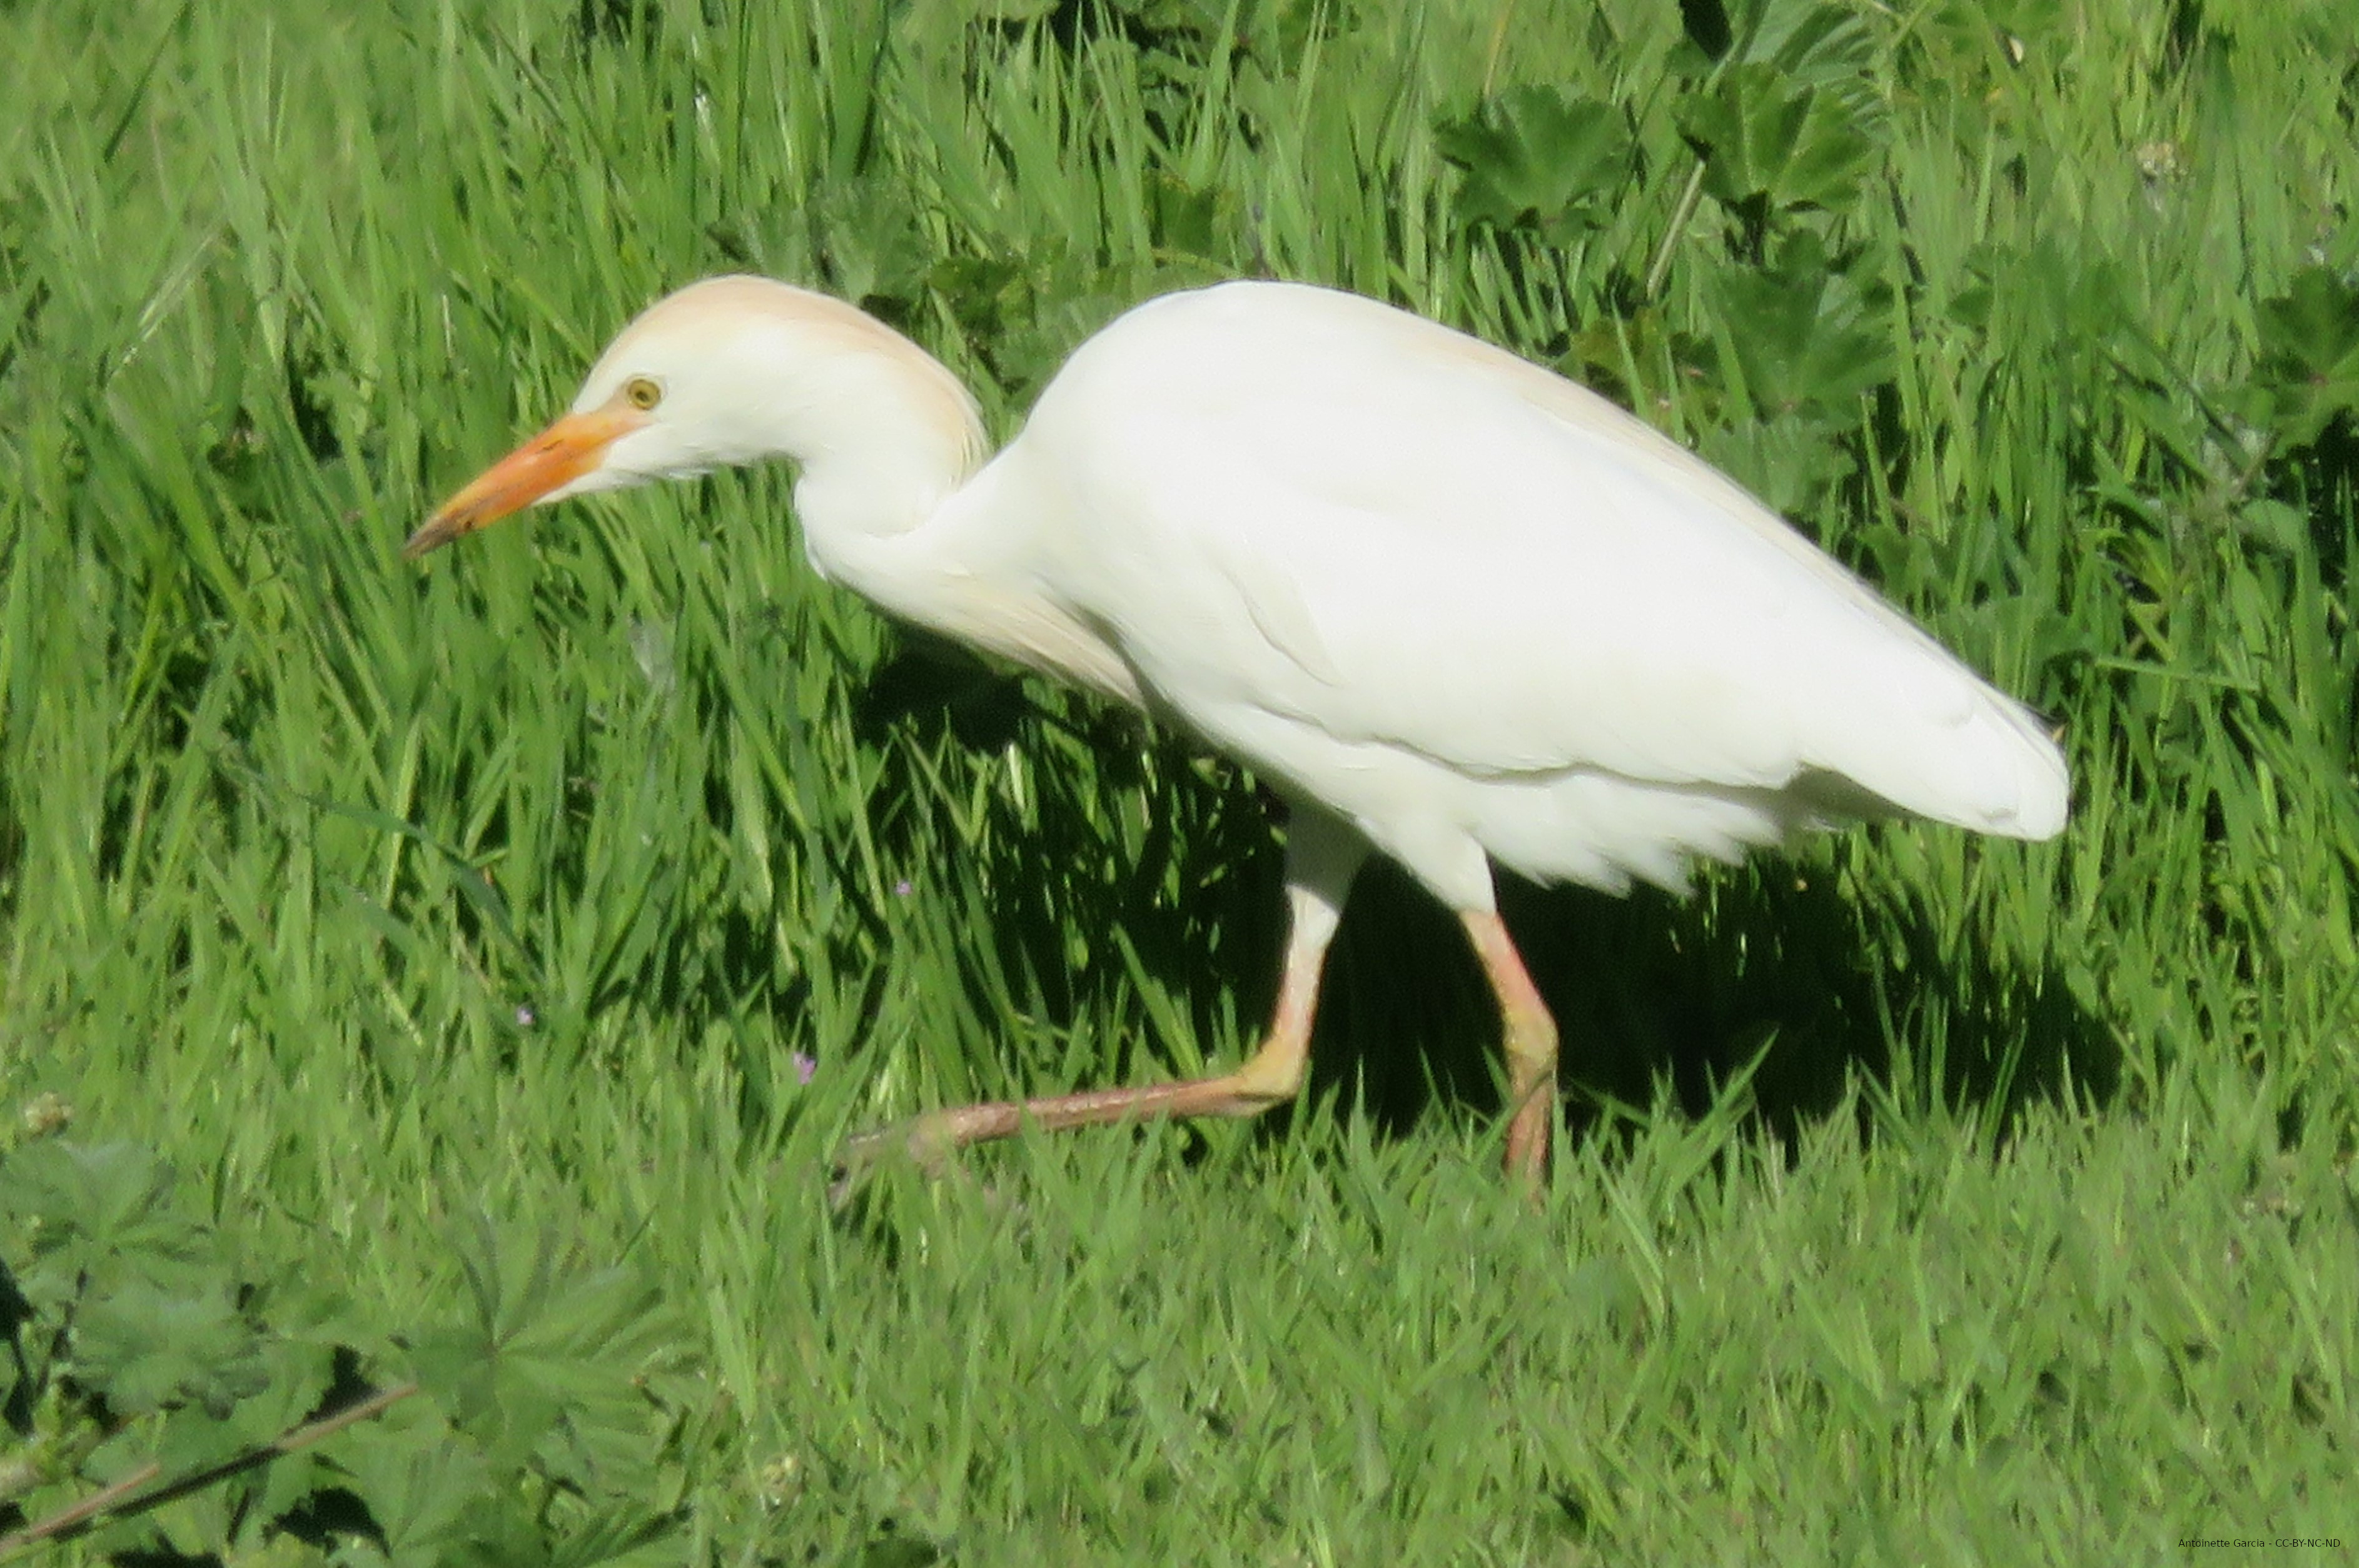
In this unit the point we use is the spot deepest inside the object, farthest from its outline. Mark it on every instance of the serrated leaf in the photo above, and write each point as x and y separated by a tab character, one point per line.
147	1347
1822	46
425	1492
1801	334
546	1364
2309	368
1790	463
871	242
626	1536
1538	157
2274	523
1188	219
1763	136
92	1200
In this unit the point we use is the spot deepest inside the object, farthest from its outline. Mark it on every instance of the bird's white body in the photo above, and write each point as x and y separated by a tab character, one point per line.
1455	607
1466	605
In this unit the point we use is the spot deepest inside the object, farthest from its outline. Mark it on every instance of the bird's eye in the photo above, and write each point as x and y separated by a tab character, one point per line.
643	392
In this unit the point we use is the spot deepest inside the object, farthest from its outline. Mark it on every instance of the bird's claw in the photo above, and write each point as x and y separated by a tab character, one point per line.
925	1141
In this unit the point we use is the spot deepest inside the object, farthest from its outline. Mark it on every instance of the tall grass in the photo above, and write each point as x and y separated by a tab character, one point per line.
1926	1197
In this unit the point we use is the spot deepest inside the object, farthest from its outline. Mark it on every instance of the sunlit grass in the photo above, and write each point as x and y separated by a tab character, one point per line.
374	896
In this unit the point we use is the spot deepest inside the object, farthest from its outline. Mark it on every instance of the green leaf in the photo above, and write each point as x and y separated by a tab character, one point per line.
1763	136
2308	373
1803	334
95	1213
2274	523
1790	463
926	20
546	1365
1191	221
871	242
1537	156
429	1496
149	1348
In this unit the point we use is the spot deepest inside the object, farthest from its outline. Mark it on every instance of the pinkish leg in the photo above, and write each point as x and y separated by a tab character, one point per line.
1530	1043
1321	858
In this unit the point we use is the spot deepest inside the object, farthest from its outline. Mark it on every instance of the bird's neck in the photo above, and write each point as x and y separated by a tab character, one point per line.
881	431
878	464
889	499
877	477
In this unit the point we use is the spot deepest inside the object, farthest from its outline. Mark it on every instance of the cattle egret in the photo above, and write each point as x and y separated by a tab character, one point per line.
1454	608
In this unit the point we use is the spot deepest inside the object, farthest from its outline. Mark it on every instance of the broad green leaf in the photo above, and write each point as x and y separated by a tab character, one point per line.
1539	156
96	1216
148	1347
1189	220
548	1355
870	241
2274	523
2309	367
1763	137
1789	462
1804	334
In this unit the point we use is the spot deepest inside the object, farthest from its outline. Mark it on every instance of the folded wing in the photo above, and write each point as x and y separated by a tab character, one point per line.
1358	519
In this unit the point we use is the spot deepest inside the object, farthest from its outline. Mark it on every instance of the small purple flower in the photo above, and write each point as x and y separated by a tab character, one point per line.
525	1017
901	888
806	1067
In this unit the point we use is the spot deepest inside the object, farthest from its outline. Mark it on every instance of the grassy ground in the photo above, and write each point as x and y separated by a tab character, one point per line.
1923	1200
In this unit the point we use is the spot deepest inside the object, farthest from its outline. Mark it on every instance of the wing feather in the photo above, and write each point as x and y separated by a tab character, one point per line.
1363	521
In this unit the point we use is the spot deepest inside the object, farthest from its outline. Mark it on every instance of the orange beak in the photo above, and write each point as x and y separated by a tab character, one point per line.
557	457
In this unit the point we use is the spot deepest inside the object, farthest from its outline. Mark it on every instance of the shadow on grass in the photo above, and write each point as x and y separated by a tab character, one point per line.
1649	991
1652	993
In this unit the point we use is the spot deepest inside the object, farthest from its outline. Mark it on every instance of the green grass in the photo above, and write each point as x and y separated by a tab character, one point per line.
1924	1199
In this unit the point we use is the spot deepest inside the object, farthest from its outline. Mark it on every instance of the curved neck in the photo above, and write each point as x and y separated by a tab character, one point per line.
881	431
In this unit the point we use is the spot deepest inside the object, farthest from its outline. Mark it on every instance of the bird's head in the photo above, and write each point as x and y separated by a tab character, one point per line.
718	374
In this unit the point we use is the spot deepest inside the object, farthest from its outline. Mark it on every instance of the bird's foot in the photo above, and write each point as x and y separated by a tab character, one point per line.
927	1141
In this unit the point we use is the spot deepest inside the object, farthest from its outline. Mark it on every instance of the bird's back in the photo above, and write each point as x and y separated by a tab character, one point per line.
1301	511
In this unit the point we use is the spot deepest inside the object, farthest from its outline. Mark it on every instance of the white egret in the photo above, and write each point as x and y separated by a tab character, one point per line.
1453	607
